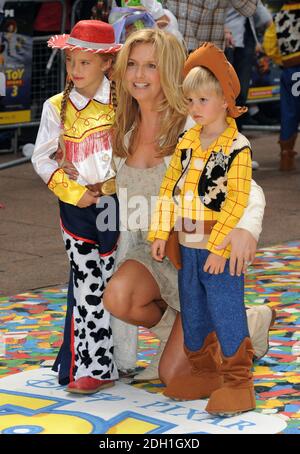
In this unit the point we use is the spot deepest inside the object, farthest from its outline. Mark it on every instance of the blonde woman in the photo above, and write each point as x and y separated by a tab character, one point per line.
150	116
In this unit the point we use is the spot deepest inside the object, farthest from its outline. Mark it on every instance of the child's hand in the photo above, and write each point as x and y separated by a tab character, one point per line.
162	21
214	264
67	166
88	199
70	170
229	41
158	249
258	48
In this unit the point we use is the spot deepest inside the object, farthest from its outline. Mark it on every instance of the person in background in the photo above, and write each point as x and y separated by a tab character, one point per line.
243	46
48	18
282	44
203	20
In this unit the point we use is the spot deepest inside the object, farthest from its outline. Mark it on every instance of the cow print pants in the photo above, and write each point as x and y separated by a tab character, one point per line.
92	349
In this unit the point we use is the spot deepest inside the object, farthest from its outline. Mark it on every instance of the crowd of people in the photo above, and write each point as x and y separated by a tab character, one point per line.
155	116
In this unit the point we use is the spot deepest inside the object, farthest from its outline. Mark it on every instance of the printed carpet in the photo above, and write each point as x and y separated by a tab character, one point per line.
32	323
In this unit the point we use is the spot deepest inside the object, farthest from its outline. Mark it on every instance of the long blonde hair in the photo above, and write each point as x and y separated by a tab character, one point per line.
170	55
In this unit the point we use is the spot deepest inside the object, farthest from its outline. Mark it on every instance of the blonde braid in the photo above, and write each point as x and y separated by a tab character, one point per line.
63	108
64	101
113	94
110	75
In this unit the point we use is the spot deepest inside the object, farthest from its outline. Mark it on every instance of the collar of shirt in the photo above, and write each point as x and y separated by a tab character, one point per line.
102	95
191	139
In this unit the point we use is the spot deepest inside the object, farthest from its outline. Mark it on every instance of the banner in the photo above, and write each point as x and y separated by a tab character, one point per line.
32	402
265	80
16	61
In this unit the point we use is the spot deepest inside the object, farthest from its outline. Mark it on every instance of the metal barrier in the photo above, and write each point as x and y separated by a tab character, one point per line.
48	78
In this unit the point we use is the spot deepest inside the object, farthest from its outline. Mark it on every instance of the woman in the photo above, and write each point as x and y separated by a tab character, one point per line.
150	115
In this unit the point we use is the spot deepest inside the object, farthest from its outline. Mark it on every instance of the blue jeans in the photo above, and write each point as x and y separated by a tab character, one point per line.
210	303
289	104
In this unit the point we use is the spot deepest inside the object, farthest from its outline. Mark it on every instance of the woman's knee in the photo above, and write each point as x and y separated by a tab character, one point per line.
116	299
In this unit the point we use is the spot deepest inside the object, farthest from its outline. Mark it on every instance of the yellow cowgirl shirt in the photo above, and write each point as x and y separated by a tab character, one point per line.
86	138
208	188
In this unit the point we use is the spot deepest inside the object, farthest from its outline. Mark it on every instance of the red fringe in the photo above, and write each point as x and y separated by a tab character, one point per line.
99	141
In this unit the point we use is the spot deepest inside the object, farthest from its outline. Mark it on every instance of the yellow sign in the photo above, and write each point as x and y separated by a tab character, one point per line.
19	116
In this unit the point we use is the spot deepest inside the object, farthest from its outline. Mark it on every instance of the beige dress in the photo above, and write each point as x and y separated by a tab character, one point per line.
140	185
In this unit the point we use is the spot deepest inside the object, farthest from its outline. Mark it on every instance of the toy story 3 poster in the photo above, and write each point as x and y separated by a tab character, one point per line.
15	61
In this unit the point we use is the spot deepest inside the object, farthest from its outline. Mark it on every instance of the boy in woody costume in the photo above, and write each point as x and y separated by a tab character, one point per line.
209	177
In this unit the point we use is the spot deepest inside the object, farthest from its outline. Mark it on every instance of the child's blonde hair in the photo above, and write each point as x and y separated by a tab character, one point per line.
200	78
170	55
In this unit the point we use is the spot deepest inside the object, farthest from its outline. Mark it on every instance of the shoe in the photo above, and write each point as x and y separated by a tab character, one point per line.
88	385
260	319
237	393
204	377
287	155
255	165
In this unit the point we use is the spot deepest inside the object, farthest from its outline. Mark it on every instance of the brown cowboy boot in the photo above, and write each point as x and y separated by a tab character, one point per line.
237	393
287	155
204	378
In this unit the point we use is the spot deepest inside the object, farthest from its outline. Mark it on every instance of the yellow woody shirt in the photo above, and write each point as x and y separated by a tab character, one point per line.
190	189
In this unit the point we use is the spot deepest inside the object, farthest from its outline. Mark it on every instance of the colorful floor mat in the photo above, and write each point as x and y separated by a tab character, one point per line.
32	324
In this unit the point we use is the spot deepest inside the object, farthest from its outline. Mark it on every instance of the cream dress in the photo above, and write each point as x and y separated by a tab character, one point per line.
139	185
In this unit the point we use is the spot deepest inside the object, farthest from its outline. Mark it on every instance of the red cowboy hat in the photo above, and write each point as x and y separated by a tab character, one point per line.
88	35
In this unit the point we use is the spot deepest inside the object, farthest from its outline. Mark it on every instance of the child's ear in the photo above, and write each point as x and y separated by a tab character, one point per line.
225	104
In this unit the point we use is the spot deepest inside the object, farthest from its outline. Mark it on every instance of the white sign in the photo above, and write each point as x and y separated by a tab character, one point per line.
33	402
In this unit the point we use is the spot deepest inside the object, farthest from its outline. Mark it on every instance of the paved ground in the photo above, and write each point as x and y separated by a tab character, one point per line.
31	250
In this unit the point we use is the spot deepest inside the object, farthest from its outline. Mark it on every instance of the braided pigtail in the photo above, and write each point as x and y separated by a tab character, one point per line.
113	94
63	108
109	75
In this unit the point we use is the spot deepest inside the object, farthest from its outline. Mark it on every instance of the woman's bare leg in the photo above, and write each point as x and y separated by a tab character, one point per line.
133	295
174	362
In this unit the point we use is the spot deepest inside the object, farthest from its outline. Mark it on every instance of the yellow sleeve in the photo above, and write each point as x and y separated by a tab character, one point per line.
270	44
238	190
164	217
66	190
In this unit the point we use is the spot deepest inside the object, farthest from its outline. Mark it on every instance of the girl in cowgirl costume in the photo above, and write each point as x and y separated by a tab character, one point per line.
79	120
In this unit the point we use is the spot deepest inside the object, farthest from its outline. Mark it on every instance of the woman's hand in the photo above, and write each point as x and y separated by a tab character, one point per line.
214	264
243	249
158	249
88	199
